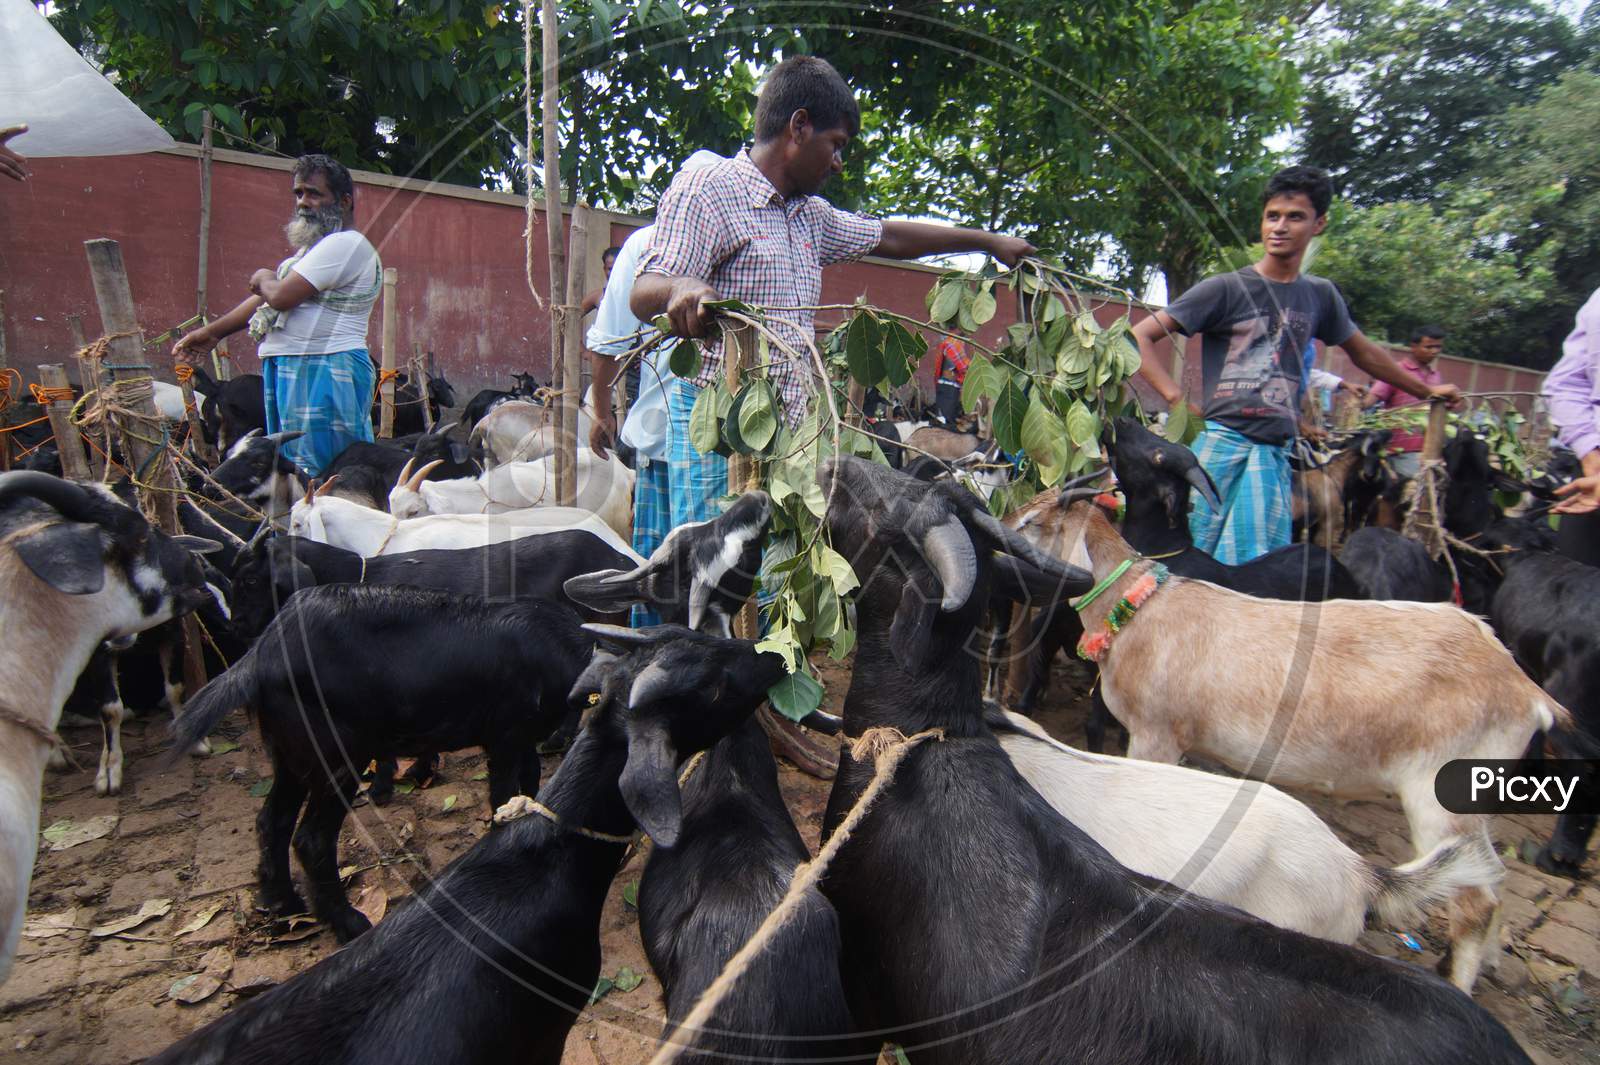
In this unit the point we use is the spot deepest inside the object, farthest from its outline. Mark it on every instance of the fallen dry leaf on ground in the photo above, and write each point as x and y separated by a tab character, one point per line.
151	909
67	833
201	919
373	902
45	925
216	964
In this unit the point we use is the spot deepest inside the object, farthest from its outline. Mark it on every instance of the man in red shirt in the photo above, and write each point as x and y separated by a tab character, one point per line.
1426	344
952	374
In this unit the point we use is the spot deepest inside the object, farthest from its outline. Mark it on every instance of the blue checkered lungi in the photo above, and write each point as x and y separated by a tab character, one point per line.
327	397
1253	483
652	520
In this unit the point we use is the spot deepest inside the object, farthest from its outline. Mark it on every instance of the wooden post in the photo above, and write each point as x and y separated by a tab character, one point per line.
89	381
571	397
550	102
112	293
857	401
74	466
419	373
391	325
191	414
205	212
5	415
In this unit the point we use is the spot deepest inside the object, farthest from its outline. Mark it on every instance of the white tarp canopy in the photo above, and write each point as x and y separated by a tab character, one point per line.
70	108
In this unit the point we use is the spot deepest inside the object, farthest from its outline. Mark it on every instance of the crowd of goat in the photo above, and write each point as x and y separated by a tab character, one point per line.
1007	898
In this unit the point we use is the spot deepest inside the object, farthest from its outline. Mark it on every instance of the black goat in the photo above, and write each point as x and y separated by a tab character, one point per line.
524	387
346	674
980	926
231	409
1547	610
725	863
375	467
511	930
1390	566
408	403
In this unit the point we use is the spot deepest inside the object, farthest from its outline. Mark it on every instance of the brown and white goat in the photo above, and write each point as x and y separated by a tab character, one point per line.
77	568
1351	697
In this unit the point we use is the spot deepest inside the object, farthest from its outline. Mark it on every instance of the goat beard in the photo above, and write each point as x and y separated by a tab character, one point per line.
306	227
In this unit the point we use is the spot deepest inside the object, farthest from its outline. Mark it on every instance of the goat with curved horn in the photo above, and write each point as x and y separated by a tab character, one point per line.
949	552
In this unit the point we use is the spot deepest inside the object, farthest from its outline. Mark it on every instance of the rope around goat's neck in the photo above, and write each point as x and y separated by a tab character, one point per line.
519	806
44	735
887	747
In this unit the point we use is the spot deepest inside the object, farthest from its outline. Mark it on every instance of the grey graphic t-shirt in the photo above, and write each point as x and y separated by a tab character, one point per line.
1254	333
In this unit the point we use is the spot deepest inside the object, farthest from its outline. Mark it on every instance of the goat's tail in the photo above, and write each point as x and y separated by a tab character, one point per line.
234	689
1459	862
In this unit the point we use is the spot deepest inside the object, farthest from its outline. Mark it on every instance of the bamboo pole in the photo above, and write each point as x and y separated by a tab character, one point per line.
571	396
391	325
89	381
205	212
69	444
157	493
191	414
5	413
550	103
419	374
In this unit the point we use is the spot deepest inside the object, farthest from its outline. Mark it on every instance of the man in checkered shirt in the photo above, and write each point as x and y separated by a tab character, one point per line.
754	229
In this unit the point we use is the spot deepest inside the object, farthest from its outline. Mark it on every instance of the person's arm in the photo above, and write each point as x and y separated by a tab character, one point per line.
281	294
1375	362
603	371
12	164
1572	388
913	240
198	342
680	298
590	301
1146	334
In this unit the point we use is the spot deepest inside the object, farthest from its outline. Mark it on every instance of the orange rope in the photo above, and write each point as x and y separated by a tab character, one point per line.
385	376
183	372
43	395
24	425
6	376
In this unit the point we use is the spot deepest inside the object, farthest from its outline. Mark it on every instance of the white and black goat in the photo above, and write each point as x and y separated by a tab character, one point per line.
981	926
496	958
1241	842
77	568
1349	697
350	673
725	853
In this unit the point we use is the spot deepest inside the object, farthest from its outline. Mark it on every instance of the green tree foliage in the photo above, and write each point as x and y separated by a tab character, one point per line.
1398	92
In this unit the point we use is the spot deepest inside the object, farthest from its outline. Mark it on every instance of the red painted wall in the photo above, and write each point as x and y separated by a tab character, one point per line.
463	291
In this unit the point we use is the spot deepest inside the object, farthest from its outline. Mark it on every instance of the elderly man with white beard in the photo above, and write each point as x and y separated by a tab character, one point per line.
310	318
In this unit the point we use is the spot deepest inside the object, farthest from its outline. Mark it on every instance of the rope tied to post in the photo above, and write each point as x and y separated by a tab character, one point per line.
7	376
96	349
887	747
44	395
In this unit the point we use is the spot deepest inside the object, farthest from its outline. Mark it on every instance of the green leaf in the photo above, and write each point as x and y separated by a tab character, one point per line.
757	420
703	432
902	352
796	695
947	301
1010	407
1178	421
602	989
662	323
863	349
630	893
983	305
448	804
834	566
261	788
223	747
1128	352
982	380
1082	425
900	1056
843	641
626	979
404	787
730	305
964	316
685	359
1045	441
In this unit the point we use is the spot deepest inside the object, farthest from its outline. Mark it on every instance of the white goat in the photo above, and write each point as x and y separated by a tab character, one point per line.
1354	698
77	568
369	533
605	489
1241	842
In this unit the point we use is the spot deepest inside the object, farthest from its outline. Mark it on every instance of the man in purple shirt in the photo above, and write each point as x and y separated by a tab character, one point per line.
1426	344
1572	390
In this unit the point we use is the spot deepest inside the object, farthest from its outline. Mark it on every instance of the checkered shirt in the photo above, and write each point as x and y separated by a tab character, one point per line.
727	225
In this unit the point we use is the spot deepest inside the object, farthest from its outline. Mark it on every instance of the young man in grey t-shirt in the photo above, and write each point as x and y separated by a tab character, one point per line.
1254	324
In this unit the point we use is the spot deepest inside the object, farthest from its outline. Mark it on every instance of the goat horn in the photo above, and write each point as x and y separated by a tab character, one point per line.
619	635
71	500
405	472
652	683
260	534
1014	543
311	492
415	484
1197	476
948	549
327	486
443	428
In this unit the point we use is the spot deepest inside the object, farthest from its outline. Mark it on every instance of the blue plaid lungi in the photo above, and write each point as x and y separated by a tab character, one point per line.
1253	483
652	520
328	397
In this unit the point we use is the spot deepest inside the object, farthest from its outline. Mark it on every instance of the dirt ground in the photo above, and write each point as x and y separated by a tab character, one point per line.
186	838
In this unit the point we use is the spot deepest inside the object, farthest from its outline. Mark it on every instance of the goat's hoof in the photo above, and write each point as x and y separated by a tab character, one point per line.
381	795
282	905
347	924
107	783
200	748
421	772
1555	865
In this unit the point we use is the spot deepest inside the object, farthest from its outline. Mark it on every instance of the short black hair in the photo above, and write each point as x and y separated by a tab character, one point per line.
804	81
610	253
338	178
1314	183
1432	332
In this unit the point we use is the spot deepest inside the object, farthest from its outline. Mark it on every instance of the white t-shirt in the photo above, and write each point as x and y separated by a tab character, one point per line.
344	269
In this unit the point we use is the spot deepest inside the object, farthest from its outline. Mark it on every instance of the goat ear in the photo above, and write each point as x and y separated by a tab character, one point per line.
649	782
1022	581
69	557
910	632
198	544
